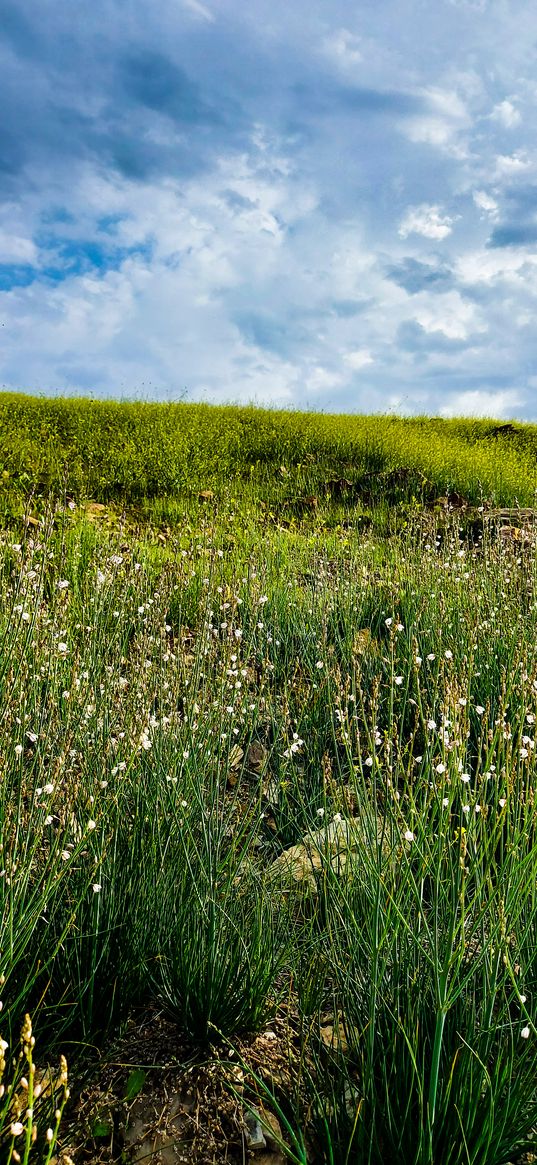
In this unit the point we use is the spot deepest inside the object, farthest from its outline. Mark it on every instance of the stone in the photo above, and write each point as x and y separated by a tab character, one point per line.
255	1138
300	865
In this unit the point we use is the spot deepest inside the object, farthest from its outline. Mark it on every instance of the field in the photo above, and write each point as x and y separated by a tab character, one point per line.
267	796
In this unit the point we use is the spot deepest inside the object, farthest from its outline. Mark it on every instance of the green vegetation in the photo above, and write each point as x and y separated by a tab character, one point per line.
135	453
269	769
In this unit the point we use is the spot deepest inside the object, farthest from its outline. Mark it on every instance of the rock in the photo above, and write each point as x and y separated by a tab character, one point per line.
300	865
255	1138
272	1130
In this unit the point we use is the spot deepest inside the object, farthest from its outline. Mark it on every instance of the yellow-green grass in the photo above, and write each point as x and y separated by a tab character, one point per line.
133	452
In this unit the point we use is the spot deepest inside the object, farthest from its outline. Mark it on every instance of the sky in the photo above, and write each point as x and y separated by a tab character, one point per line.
310	204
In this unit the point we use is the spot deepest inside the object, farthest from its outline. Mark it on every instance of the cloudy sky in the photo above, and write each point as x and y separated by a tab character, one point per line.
310	203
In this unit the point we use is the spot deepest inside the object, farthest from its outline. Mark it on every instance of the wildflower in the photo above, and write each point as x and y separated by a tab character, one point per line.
368	761
48	788
524	753
463	701
398	680
62	648
431	724
91	825
502	802
479	709
17	1128
399	627
63	584
525	1033
320	812
408	835
466	808
522	998
388	622
97	887
418	660
440	768
448	654
431	656
18	749
445	802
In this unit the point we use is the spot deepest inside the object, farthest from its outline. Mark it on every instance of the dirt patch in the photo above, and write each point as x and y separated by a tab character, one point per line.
201	1107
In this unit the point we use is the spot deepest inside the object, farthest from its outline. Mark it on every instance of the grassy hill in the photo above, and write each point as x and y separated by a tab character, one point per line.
267	786
133	453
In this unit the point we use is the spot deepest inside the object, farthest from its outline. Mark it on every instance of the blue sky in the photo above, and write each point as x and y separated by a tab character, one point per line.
313	204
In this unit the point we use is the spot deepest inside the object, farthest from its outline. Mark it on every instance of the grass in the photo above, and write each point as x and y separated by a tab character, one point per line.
181	706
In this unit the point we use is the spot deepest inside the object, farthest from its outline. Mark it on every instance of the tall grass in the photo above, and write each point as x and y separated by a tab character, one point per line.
133	453
390	684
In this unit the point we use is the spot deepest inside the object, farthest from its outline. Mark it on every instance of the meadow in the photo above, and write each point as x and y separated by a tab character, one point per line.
267	795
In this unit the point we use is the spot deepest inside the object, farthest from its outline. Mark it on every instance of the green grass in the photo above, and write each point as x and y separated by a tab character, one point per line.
383	677
136	453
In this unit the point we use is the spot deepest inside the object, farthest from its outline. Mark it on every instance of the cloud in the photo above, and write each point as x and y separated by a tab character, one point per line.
415	276
155	81
506	114
344	48
258	203
480	403
358	359
443	124
508	165
17	249
514	235
486	203
451	314
199	10
427	221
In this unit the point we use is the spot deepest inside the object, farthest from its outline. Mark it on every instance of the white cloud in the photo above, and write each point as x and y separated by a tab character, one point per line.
359	358
17	249
444	126
487	204
343	48
426	220
507	165
199	10
506	114
497	265
450	314
480	403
